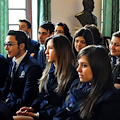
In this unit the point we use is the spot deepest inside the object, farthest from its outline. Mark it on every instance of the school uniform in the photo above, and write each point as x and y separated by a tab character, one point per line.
48	103
107	106
22	88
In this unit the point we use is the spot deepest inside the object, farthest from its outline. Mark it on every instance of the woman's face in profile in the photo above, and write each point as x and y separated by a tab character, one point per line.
84	70
50	51
79	43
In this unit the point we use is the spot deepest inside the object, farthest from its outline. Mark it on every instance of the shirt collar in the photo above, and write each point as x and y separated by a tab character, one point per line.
19	59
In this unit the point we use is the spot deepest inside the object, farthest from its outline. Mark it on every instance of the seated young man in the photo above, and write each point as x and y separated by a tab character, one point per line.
22	82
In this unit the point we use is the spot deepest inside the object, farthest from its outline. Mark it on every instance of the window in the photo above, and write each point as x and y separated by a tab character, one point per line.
19	9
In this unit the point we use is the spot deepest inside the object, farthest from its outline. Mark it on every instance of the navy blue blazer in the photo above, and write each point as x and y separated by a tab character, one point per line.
41	58
48	103
33	47
22	89
4	68
107	106
5	113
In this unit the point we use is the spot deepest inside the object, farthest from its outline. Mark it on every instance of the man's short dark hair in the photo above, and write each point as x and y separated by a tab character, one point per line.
27	22
48	26
20	36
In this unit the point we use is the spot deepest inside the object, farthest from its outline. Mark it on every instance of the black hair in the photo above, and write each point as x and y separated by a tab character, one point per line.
48	26
102	81
20	36
66	30
98	38
27	22
88	36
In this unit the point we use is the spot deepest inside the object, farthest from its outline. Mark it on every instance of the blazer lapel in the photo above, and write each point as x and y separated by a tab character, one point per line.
20	73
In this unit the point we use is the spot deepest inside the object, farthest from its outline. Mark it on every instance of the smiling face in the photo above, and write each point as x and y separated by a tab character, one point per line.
84	70
50	51
115	46
79	43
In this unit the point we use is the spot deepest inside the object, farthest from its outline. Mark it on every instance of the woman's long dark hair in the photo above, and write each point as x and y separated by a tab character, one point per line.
98	38
88	36
66	31
99	61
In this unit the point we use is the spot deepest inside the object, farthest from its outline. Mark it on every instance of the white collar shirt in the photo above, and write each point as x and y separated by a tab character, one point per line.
18	61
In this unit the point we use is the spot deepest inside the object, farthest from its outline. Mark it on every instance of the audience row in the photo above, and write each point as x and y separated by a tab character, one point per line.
61	77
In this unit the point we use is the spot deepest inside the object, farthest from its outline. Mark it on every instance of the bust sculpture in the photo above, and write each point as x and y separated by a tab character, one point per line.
86	16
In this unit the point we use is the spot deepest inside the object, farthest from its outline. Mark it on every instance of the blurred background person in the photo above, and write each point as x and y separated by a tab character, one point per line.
32	45
115	55
62	28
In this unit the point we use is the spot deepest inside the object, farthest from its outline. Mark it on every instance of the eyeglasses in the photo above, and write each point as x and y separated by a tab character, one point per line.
59	31
10	44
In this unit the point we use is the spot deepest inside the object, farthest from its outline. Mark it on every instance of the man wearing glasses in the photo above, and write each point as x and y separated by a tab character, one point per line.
22	82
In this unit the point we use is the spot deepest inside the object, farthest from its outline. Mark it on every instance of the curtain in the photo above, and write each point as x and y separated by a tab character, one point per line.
44	11
3	24
110	17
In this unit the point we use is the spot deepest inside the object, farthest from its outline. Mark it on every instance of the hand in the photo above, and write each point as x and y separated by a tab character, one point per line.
116	85
31	114
32	54
24	110
26	113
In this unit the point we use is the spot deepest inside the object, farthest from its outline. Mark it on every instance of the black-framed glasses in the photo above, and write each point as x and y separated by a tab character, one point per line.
10	44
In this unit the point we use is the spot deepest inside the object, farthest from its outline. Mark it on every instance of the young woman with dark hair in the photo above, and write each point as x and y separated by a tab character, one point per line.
87	35
62	28
96	98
